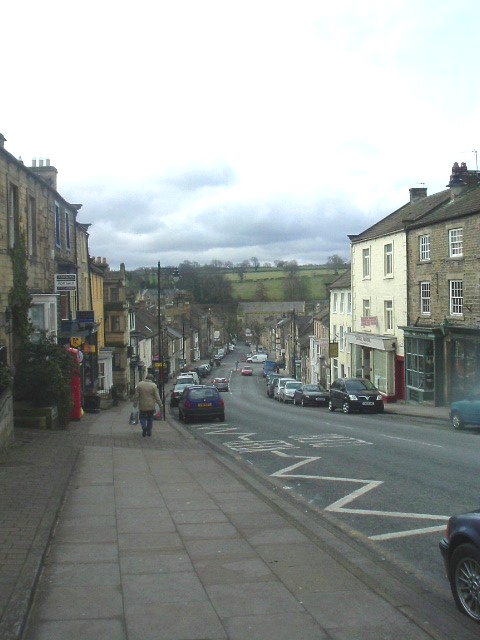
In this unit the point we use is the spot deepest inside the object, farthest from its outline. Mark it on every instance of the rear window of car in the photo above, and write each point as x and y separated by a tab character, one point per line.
313	387
200	394
292	385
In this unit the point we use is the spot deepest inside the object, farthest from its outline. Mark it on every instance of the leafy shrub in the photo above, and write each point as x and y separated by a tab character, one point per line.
43	377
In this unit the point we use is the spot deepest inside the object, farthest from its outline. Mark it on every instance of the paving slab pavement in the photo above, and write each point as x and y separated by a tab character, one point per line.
121	537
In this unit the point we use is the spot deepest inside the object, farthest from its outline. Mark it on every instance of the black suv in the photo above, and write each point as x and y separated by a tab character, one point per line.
355	394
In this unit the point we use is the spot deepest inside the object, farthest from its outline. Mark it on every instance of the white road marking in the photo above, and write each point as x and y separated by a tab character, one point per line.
406	534
328	440
339	506
425	444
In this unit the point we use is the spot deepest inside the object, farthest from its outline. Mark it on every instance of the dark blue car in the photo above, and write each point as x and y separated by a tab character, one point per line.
460	549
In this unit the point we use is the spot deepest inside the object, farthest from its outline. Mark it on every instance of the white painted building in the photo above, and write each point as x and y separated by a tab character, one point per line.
340	326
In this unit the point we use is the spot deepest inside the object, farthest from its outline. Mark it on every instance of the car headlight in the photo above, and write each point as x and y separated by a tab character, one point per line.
351	396
379	397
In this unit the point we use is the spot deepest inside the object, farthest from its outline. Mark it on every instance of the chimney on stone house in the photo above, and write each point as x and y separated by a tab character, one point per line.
417	193
459	179
46	171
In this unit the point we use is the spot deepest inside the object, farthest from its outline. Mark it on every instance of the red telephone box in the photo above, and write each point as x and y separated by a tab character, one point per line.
76	412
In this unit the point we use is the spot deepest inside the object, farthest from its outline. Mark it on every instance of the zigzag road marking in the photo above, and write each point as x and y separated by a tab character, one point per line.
339	506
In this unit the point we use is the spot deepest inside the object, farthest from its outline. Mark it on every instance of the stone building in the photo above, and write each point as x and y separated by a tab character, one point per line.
442	336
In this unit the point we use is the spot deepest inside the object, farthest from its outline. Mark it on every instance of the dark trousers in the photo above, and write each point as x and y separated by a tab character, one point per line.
146	420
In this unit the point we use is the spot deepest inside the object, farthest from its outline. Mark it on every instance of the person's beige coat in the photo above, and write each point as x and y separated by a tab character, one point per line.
146	396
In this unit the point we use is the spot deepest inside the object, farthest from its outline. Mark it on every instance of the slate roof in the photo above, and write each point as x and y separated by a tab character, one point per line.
270	307
342	282
405	215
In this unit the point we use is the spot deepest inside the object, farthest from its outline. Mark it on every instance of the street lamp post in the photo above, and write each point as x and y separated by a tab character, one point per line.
160	363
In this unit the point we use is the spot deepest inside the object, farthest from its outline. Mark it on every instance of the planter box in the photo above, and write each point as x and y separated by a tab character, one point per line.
35	417
6	419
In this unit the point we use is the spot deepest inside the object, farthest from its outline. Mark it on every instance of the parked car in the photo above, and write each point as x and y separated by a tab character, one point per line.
177	391
355	394
201	401
246	371
285	392
278	383
314	394
190	376
467	411
203	370
271	377
460	549
221	384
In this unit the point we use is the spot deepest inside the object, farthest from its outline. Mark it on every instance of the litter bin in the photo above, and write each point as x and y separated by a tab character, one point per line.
91	403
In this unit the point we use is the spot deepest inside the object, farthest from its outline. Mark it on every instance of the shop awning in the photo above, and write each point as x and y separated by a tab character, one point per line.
382	343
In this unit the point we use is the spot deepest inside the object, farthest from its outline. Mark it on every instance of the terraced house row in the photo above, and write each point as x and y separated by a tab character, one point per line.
408	314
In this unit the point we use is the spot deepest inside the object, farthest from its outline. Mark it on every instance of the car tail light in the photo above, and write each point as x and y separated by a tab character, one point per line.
188	404
221	403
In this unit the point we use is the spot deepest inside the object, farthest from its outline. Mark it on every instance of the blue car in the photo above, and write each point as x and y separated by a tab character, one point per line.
201	401
463	412
460	549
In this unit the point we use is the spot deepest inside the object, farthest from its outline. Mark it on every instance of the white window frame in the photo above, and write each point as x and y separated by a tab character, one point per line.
456	297
335	302
455	242
366	308
342	302
424	247
388	260
366	263
349	302
388	309
425	298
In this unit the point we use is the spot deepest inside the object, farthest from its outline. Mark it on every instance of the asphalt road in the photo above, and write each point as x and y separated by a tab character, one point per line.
388	480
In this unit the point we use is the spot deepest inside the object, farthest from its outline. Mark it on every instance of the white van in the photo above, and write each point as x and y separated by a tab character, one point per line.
258	357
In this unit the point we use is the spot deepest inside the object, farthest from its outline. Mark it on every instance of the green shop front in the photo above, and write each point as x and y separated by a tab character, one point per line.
442	363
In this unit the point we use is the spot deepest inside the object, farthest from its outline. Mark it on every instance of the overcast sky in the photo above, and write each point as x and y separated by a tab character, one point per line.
221	130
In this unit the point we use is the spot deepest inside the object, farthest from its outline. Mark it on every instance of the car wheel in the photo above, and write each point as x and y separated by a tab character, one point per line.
381	409
346	407
222	417
465	580
330	406
456	420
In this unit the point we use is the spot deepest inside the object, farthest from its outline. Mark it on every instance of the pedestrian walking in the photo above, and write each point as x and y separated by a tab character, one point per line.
236	365
146	396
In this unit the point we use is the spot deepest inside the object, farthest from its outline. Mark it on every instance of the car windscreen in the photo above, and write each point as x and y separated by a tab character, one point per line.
313	387
360	385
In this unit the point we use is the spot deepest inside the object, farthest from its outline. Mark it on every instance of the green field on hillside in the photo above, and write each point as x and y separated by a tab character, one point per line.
316	280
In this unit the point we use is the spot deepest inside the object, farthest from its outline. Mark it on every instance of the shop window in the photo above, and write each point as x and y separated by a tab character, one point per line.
419	368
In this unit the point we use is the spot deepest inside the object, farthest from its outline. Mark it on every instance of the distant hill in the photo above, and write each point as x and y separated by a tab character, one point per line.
273	284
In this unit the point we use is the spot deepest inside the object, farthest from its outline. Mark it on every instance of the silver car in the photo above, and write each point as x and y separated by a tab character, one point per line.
279	384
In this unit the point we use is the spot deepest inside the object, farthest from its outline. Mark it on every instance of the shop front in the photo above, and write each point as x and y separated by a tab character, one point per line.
374	357
442	363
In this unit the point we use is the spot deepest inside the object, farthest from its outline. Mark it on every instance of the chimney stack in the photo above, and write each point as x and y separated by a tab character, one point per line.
417	193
